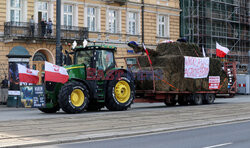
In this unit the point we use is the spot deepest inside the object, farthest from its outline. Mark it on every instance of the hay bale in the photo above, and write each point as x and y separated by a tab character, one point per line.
177	82
152	52
144	79
198	84
172	67
214	67
223	81
177	48
170	62
205	84
162	78
143	60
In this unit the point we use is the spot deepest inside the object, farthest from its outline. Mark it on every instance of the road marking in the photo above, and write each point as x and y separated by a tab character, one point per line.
218	145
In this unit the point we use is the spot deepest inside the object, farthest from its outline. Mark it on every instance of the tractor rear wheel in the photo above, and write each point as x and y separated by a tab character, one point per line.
120	93
50	110
73	97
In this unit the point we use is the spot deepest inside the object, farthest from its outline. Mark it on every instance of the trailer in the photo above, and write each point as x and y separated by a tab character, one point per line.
171	98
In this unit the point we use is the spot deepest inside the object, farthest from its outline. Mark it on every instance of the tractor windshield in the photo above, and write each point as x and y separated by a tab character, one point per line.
84	57
105	59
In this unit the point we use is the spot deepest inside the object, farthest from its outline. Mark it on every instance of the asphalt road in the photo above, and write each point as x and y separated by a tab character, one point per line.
8	114
21	127
235	135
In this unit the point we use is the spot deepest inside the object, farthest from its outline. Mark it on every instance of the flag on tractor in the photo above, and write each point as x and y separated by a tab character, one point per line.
147	53
221	51
27	75
55	73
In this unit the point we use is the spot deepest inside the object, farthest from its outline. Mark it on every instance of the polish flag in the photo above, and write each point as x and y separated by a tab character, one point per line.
144	47
221	51
55	73
27	75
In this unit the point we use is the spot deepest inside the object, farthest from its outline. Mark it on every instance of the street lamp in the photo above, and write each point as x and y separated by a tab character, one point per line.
58	33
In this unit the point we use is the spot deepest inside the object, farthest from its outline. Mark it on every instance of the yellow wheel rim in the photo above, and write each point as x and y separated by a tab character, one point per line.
122	91
77	97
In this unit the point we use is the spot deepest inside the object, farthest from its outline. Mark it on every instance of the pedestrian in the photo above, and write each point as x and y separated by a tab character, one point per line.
49	27
43	26
32	26
4	90
5	83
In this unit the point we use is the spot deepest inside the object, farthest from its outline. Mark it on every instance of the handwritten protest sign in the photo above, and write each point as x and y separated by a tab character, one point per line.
196	67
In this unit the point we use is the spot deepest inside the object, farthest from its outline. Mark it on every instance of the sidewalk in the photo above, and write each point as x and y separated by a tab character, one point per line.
102	125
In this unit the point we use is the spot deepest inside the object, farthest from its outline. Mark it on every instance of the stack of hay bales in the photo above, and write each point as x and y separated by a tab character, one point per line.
168	63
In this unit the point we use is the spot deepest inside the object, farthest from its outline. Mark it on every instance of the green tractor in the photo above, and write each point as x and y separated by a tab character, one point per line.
94	82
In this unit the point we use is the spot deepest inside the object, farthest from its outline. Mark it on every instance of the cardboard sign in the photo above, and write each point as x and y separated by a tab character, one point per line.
32	96
214	82
196	67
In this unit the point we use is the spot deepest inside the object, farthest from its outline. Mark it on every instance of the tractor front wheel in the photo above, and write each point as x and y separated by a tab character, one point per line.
120	93
73	97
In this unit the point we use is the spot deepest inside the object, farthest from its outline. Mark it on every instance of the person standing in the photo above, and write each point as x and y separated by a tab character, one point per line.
32	26
49	27
4	90
5	83
43	26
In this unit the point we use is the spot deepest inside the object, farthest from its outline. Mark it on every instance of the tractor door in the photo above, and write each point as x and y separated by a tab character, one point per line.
105	60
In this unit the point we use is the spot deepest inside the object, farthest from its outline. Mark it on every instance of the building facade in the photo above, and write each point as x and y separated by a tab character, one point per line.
112	22
224	21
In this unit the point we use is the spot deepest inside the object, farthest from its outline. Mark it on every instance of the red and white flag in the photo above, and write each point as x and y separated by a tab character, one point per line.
55	73
144	47
221	51
27	75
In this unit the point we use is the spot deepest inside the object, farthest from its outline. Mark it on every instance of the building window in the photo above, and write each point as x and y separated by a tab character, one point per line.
68	15
162	2
15	10
163	30
91	18
43	10
112	21
133	23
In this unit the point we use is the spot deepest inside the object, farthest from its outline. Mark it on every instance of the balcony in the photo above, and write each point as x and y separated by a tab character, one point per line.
121	2
22	31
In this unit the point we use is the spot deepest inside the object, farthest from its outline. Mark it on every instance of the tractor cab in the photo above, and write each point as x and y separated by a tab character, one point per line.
98	57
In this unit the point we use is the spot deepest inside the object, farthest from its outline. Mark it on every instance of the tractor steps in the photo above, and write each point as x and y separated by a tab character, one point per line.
100	90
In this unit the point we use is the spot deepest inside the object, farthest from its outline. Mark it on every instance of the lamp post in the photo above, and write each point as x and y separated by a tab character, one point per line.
248	68
142	21
58	33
